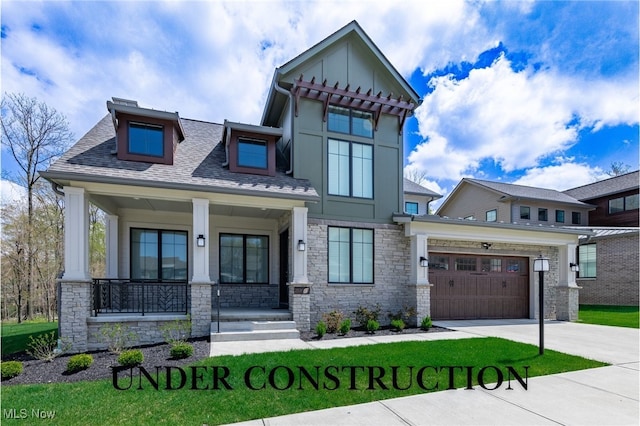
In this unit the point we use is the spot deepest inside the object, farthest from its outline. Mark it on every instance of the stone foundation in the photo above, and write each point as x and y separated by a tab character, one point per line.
147	329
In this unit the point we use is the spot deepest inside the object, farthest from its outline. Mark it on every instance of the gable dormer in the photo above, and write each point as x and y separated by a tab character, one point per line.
251	149
144	134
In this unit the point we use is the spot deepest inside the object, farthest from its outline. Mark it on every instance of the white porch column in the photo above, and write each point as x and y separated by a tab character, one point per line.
76	235
419	274
200	254
298	233
112	246
567	304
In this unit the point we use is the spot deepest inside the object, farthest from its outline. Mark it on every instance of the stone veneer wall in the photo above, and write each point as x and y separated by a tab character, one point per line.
617	274
247	295
147	329
75	306
391	288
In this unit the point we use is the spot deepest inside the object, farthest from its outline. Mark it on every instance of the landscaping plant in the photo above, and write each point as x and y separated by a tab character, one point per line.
345	326
364	315
79	362
131	358
9	369
372	326
397	324
333	320
45	346
321	329
117	336
426	323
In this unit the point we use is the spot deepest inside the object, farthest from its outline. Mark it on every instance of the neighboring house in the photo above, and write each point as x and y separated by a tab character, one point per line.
417	198
609	273
305	212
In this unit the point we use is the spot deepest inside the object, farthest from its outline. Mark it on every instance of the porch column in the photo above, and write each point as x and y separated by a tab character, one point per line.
567	290
420	276
300	287
112	246
201	280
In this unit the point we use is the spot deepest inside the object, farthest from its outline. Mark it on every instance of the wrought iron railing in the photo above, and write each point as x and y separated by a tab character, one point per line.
111	296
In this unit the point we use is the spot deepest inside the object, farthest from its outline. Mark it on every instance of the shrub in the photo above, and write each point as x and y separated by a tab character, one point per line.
406	314
364	315
397	324
426	323
10	369
345	326
177	331
333	320
131	358
372	326
117	336
181	350
79	362
321	329
45	346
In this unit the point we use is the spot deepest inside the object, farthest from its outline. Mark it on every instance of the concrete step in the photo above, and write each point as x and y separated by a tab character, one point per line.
241	336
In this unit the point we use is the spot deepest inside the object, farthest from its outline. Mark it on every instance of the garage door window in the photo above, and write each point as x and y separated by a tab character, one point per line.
465	263
439	263
516	266
491	265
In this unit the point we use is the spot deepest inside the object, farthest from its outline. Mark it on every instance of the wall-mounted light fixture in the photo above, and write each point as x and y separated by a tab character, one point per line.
302	246
574	267
424	262
486	246
200	240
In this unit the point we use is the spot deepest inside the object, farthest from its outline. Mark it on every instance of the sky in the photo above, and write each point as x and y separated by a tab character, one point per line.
534	93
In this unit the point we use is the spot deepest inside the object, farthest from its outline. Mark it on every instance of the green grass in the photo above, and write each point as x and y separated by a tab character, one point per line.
15	337
84	402
619	316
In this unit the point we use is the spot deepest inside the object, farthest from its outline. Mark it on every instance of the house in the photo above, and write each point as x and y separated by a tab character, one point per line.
609	273
304	212
417	198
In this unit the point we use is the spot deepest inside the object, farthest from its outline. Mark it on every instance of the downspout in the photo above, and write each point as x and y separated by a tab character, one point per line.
57	189
227	138
288	94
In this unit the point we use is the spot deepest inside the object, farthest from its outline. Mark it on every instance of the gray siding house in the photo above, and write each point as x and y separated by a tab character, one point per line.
299	215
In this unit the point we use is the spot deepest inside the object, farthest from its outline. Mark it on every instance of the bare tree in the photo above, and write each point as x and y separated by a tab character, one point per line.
35	134
618	168
415	175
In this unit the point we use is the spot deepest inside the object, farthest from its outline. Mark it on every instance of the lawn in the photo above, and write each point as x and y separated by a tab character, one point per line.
15	337
619	316
229	389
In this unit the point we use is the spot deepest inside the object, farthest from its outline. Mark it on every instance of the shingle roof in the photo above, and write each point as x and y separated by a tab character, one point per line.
606	187
197	165
528	192
411	187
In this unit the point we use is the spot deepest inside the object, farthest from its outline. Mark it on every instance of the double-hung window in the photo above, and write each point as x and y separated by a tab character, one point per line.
350	255
146	139
587	261
350	169
158	254
350	121
244	259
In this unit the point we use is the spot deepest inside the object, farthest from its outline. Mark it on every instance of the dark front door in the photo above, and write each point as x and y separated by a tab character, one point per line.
284	269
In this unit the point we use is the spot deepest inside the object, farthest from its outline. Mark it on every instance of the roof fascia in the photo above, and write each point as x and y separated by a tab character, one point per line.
147	112
263	130
458	188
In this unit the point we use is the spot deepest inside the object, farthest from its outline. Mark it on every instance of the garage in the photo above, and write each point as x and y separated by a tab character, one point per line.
476	287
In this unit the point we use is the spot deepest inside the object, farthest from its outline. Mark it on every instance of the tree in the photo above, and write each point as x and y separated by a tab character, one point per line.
35	134
618	168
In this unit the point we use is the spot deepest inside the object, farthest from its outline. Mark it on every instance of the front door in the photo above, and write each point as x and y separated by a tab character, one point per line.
284	269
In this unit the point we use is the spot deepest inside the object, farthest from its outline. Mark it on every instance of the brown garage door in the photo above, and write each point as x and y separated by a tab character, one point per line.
474	287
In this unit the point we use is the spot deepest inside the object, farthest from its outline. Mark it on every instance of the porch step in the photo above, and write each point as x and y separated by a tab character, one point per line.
236	331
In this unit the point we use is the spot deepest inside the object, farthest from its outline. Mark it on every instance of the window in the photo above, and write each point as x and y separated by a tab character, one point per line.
587	261
439	263
350	169
465	264
576	218
244	259
542	215
158	254
621	204
350	121
252	153
525	212
411	208
350	255
491	265
492	215
560	216
146	139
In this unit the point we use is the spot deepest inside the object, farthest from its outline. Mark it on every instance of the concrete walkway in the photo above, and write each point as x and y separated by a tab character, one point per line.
600	396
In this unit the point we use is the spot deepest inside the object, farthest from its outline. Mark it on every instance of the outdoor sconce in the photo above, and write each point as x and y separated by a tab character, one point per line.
302	246
200	240
574	267
486	246
424	262
541	265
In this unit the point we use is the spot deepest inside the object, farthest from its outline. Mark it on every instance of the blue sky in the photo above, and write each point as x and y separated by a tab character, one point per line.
535	93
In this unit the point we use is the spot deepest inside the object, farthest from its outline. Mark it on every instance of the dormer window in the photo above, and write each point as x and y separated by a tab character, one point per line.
251	149
252	153
146	139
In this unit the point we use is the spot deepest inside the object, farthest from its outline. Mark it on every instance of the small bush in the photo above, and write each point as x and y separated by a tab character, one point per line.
10	369
321	329
177	331
426	323
117	336
406	314
333	320
79	362
131	358
372	326
364	315
345	326
45	346
397	324
181	350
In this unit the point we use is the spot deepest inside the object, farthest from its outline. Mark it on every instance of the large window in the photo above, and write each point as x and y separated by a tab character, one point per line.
587	261
252	153
244	259
146	139
350	255
350	121
350	169
621	204
158	254
410	207
525	212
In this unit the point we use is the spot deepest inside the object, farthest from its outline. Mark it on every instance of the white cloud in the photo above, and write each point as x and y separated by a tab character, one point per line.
562	176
